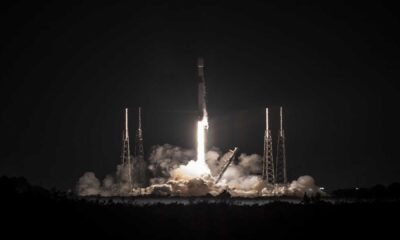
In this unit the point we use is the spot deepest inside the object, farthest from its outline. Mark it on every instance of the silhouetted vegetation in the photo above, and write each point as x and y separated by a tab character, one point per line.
35	212
375	192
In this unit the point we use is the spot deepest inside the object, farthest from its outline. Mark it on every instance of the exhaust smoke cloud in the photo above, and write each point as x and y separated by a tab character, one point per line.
175	173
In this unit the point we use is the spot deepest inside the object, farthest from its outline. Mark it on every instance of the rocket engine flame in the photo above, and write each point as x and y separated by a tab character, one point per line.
202	126
195	168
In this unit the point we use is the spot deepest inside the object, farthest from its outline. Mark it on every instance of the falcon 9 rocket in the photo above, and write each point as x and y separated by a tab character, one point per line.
201	90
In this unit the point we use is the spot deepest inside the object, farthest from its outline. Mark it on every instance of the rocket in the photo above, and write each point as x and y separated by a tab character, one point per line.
201	89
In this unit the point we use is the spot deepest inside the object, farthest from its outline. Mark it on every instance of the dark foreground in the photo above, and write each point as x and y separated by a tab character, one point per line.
34	212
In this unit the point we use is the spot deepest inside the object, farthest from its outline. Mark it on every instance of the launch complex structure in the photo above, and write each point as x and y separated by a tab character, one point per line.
135	164
273	170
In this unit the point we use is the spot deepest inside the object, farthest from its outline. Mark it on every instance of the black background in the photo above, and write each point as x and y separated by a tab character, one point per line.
68	70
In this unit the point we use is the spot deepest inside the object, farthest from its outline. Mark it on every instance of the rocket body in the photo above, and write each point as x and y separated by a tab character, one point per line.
201	89
202	123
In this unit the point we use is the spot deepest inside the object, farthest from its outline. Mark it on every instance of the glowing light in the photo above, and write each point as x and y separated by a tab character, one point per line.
201	141
202	167
199	167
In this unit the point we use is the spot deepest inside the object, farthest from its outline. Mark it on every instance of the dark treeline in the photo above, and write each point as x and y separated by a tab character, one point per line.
375	192
44	214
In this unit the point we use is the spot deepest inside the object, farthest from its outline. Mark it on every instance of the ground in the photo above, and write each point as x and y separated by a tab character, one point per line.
35	212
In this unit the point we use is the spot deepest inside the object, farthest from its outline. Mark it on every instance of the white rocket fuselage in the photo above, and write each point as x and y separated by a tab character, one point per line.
201	89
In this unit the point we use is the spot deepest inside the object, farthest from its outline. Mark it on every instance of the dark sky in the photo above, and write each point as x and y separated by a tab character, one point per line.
69	70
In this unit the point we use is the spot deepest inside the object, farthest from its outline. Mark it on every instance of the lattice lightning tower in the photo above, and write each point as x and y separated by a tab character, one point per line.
268	162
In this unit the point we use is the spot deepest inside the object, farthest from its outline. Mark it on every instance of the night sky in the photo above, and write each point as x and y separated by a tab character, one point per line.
69	70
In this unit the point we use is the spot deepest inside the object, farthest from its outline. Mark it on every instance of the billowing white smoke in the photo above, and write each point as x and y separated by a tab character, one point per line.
304	185
182	187
180	174
247	167
171	169
165	158
243	179
112	185
88	184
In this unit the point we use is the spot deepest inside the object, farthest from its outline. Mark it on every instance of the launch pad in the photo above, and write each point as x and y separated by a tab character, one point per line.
137	176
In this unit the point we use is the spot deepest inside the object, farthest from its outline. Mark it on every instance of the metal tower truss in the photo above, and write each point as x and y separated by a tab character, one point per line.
139	150
281	175
268	162
126	158
140	166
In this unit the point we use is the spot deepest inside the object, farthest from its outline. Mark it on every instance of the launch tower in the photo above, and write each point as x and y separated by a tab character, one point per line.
280	172
139	136
140	166
268	162
126	158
